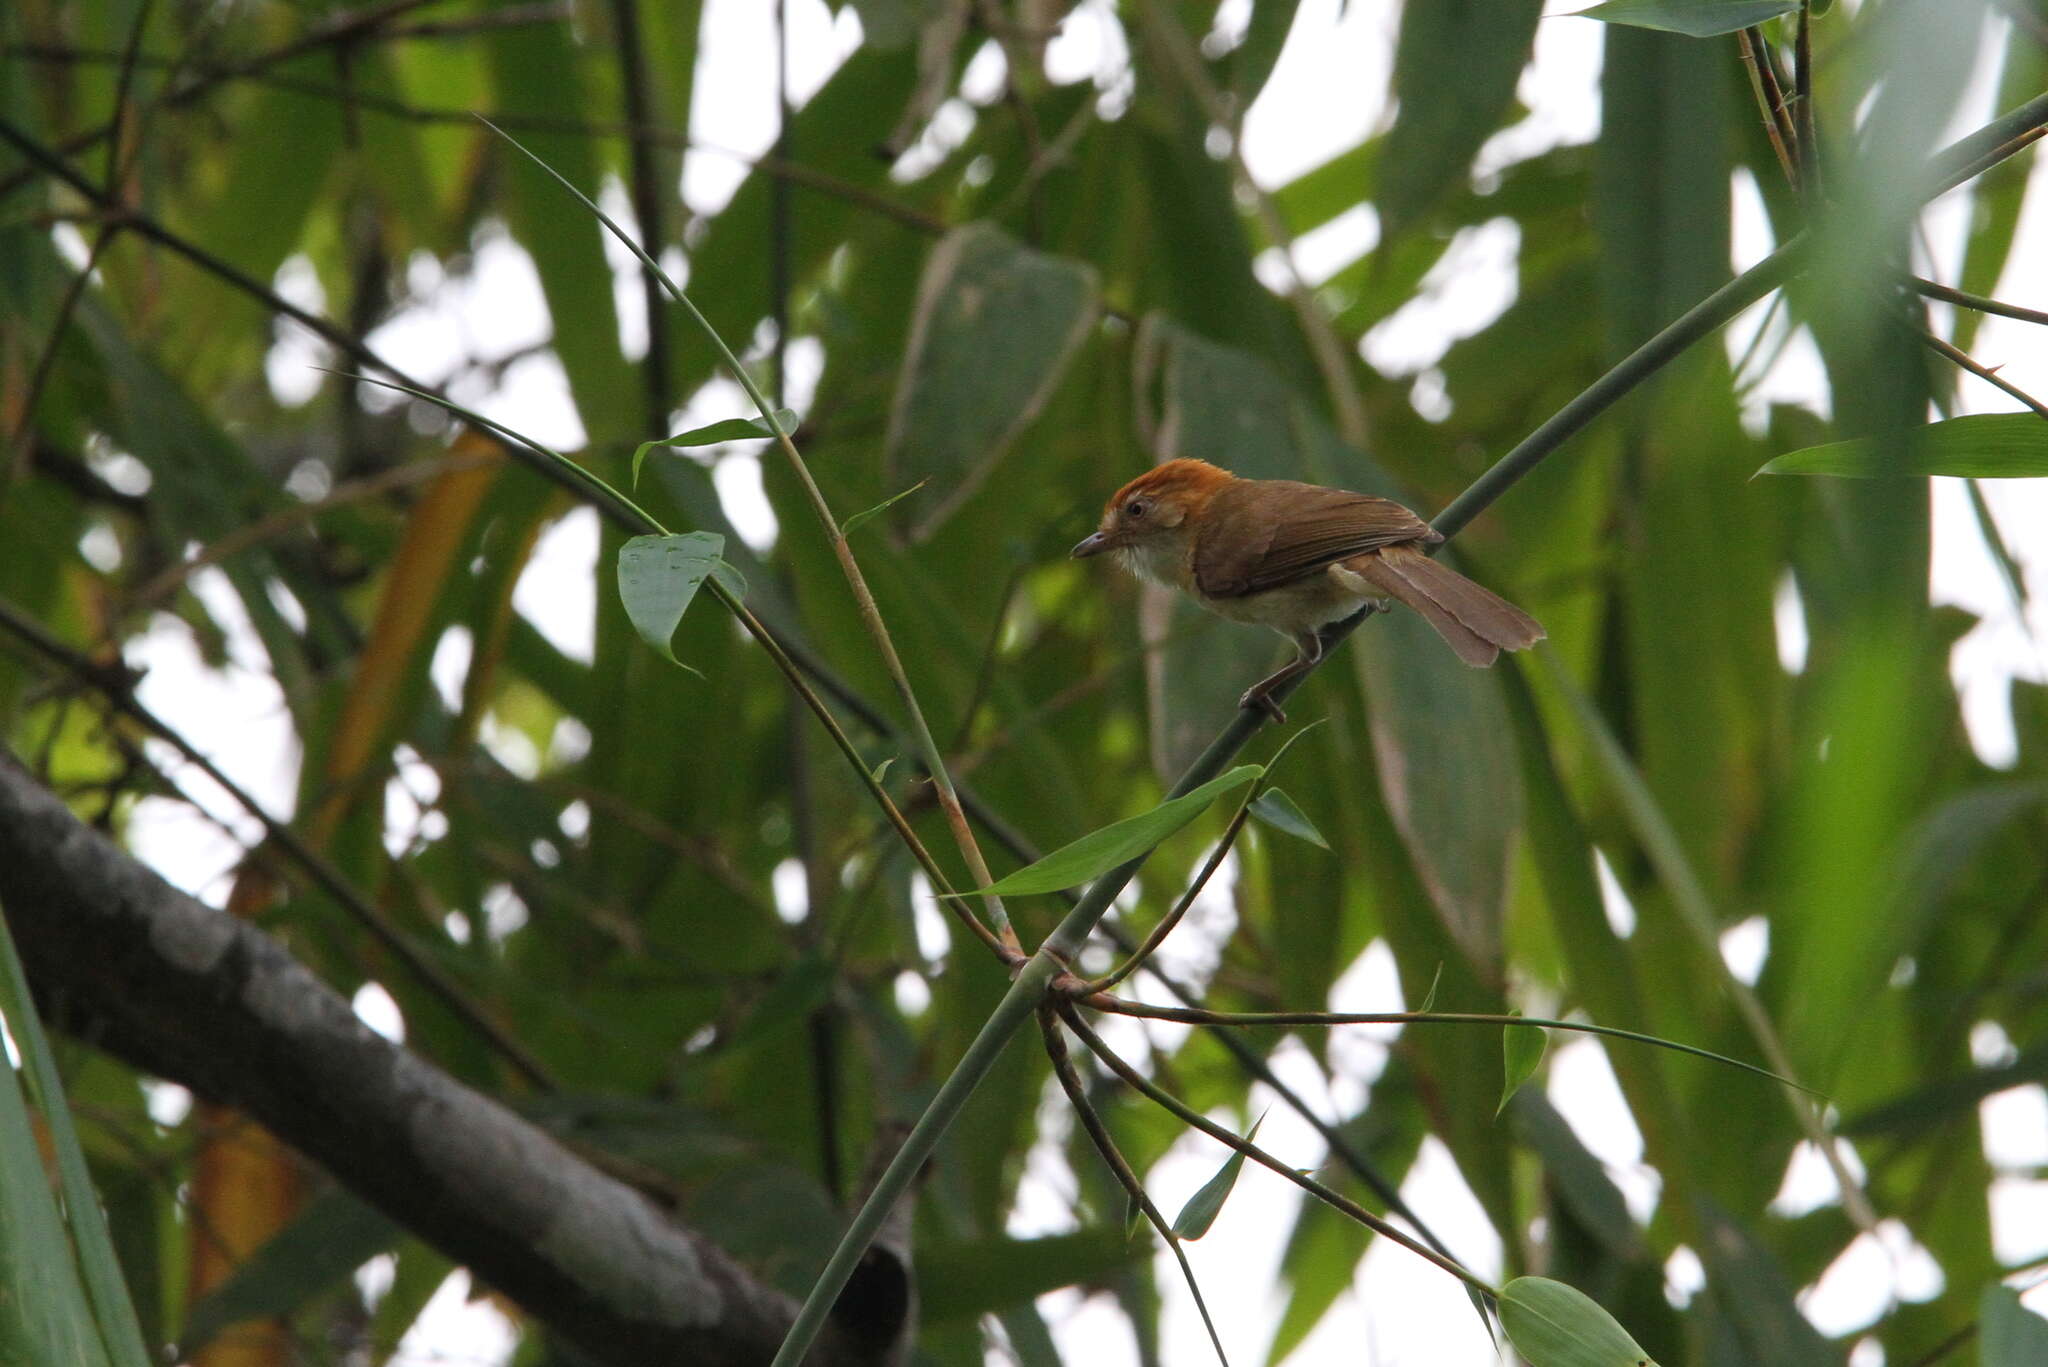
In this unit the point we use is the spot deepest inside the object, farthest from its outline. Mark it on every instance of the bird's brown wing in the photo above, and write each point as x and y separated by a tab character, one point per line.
1262	533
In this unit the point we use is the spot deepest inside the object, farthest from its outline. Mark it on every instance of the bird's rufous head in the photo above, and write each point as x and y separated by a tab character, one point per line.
1151	513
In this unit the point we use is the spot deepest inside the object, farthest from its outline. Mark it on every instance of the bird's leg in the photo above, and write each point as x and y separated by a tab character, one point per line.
1308	649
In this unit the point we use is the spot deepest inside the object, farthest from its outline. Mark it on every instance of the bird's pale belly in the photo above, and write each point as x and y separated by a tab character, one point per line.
1301	607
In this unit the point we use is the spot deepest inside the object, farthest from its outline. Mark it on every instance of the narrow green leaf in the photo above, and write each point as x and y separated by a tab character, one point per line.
1455	69
1436	980
1102	850
1553	1325
658	576
1521	1050
2013	1336
1278	810
1982	446
993	330
713	434
48	1315
1693	18
330	1239
846	527
1205	1205
883	768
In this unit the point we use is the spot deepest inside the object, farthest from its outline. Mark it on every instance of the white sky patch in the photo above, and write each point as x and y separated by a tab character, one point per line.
1788	617
1621	913
294	352
557	591
473	1332
1470	287
1295	125
1869	1277
1582	1087
1744	947
733	99
375	1008
1810	1182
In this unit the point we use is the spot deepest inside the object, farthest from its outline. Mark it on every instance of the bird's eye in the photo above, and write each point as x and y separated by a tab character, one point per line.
1135	508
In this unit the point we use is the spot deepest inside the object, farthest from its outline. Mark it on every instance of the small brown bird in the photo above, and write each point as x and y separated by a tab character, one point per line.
1296	558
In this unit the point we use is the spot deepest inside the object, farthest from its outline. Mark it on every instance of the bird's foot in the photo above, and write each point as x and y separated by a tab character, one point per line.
1259	697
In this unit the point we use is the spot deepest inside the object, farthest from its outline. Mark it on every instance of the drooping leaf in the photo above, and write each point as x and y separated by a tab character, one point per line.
327	1242
51	1313
1207	1203
1981	446
1279	811
2010	1334
658	576
1521	1051
716	433
1553	1325
994	328
1693	18
1100	851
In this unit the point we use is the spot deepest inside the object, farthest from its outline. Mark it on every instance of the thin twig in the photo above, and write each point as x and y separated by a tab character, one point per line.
1980	303
864	598
1137	958
1097	1001
1807	148
113	684
1956	355
550	465
1770	98
1127	1178
1335	1199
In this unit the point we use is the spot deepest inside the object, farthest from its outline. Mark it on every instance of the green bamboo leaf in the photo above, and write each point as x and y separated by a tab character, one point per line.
1982	446
846	527
1102	850
327	1241
1436	980
2013	1336
1205	1205
1553	1325
49	1313
713	434
735	583
1693	18
1279	811
1521	1049
658	576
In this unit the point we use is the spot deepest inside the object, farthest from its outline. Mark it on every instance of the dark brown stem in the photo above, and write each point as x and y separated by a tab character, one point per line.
1335	1199
1980	303
1172	918
1956	355
1127	1178
1770	98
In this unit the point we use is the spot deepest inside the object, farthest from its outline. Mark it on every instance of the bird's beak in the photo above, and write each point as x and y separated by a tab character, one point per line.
1094	545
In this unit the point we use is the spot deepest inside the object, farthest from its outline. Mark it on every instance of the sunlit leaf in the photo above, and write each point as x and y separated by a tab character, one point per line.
658	576
1981	446
1693	18
1553	1325
1100	851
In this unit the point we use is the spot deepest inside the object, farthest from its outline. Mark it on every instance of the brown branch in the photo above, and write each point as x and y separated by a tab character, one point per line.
1978	302
177	989
1957	356
1770	98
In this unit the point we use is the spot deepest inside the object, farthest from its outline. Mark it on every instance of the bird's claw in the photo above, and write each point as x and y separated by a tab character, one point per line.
1258	698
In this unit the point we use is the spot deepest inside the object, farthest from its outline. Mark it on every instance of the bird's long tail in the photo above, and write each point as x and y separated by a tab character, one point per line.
1477	623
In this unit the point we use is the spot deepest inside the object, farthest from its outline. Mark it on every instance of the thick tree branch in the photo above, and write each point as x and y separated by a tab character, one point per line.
118	956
